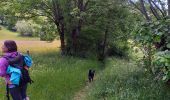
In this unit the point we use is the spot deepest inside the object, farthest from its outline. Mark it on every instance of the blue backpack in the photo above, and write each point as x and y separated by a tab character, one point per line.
28	60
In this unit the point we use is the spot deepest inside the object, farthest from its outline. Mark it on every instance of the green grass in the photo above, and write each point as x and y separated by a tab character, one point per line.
55	77
6	35
58	78
123	80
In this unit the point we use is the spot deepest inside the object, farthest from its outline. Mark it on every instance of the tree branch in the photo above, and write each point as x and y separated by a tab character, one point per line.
144	10
162	6
135	6
86	4
162	12
153	10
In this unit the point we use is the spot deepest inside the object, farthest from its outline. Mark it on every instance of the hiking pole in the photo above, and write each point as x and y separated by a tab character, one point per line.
7	92
28	52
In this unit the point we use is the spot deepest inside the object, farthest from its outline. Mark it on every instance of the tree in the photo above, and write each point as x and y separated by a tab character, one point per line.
111	17
168	7
75	18
55	11
154	31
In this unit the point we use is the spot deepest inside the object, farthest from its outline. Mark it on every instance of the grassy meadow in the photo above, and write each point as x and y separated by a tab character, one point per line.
55	77
6	34
59	77
125	80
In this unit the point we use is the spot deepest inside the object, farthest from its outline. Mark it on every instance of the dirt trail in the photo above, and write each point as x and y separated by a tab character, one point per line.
81	95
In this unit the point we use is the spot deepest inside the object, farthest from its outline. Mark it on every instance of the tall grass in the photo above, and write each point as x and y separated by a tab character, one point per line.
58	78
123	80
55	77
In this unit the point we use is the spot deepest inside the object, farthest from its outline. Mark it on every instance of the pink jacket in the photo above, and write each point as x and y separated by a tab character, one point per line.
4	64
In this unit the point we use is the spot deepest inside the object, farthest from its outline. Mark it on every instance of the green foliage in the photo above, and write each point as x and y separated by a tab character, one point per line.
114	17
48	32
10	23
87	43
148	35
145	35
151	32
162	64
120	49
7	11
24	28
28	28
102	16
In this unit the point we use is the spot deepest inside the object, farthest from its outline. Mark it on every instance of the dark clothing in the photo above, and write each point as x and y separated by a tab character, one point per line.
24	91
15	93
18	93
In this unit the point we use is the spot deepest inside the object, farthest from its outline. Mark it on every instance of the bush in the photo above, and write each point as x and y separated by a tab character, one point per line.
161	64
48	32
117	51
10	23
24	28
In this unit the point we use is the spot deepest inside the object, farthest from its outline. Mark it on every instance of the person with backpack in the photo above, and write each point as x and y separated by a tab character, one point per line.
14	68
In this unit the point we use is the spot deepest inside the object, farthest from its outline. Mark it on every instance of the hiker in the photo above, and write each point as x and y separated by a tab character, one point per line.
14	70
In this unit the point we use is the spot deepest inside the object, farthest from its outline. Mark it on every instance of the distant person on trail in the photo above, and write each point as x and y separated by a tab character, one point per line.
14	68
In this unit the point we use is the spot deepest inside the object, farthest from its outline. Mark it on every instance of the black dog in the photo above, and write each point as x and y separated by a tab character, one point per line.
91	75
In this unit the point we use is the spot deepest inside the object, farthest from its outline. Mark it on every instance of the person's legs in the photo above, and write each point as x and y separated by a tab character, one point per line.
24	91
15	93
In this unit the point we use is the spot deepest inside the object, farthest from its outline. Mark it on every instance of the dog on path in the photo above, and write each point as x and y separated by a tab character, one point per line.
91	75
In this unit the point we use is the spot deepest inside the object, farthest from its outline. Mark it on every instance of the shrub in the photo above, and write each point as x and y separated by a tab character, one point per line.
48	32
162	65
24	28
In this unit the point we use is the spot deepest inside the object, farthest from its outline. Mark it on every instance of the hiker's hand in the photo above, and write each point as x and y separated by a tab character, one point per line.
9	82
26	67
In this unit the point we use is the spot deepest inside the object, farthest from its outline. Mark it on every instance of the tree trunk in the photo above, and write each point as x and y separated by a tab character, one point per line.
2	19
60	28
168	7
104	45
144	11
74	40
62	43
58	19
154	10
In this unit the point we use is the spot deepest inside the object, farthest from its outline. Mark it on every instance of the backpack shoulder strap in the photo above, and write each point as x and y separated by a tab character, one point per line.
13	61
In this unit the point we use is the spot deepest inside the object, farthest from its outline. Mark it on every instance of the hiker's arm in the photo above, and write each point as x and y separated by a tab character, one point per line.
3	66
9	82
